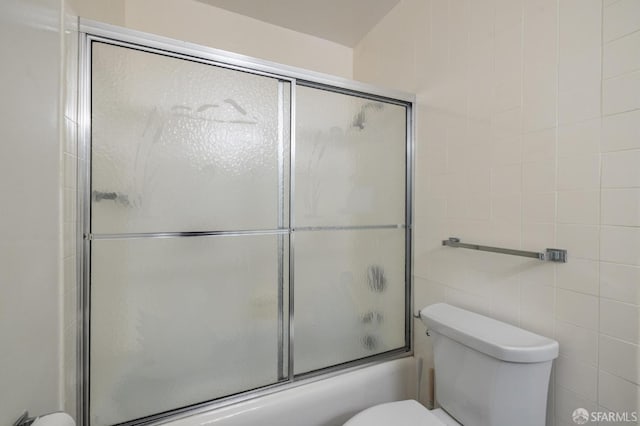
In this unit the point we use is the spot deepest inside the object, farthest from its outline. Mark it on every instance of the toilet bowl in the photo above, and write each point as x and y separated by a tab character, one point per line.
401	413
487	373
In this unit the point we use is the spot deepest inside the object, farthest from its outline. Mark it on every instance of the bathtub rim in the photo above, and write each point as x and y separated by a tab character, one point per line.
269	390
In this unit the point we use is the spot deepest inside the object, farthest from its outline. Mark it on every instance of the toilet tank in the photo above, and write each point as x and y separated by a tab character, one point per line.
488	373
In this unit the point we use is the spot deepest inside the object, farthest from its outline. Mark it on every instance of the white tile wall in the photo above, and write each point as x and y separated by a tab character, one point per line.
620	282
579	60
577	343
621	207
620	244
620	231
567	401
536	235
617	394
579	275
507	13
506	124
577	308
620	18
540	77
620	320
539	146
620	94
578	377
579	138
30	184
620	169
620	358
538	207
506	180
579	207
621	56
572	131
579	173
539	176
581	241
621	131
535	298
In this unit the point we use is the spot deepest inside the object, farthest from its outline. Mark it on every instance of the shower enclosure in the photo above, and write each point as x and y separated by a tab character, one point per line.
245	226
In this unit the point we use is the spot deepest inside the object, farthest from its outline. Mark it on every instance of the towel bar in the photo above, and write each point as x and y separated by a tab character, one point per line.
549	255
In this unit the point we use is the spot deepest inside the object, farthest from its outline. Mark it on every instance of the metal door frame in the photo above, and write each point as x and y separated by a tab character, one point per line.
89	32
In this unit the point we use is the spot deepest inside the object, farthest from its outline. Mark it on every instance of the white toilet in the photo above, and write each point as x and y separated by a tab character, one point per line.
487	373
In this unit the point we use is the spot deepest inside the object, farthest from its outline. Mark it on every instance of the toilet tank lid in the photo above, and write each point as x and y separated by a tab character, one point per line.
487	335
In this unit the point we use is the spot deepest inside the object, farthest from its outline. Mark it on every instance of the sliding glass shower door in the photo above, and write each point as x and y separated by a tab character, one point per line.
188	231
349	217
243	230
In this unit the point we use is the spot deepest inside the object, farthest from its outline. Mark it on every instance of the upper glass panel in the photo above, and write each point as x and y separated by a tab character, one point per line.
179	145
350	160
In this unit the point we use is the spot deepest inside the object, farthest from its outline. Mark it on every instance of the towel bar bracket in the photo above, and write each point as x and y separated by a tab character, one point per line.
555	255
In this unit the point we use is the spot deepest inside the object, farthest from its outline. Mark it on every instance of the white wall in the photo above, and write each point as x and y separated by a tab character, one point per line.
528	137
30	179
111	12
197	22
69	164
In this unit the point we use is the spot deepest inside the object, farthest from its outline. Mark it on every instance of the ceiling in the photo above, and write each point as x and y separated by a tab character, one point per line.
342	21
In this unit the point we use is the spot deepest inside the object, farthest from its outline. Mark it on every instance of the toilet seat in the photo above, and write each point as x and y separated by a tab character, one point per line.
400	413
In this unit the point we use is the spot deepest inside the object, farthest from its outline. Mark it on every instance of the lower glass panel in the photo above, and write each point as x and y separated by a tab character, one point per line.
178	321
349	295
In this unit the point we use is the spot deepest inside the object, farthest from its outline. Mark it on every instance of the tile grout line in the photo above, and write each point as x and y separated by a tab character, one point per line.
62	190
555	190
602	23
634	32
521	139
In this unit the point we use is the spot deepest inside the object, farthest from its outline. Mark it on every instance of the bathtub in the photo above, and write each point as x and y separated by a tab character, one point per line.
325	402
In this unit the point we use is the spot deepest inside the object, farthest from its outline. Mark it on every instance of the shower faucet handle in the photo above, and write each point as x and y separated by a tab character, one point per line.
24	420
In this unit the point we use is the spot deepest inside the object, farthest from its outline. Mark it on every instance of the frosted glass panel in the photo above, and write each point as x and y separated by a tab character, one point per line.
350	160
349	296
181	146
179	321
